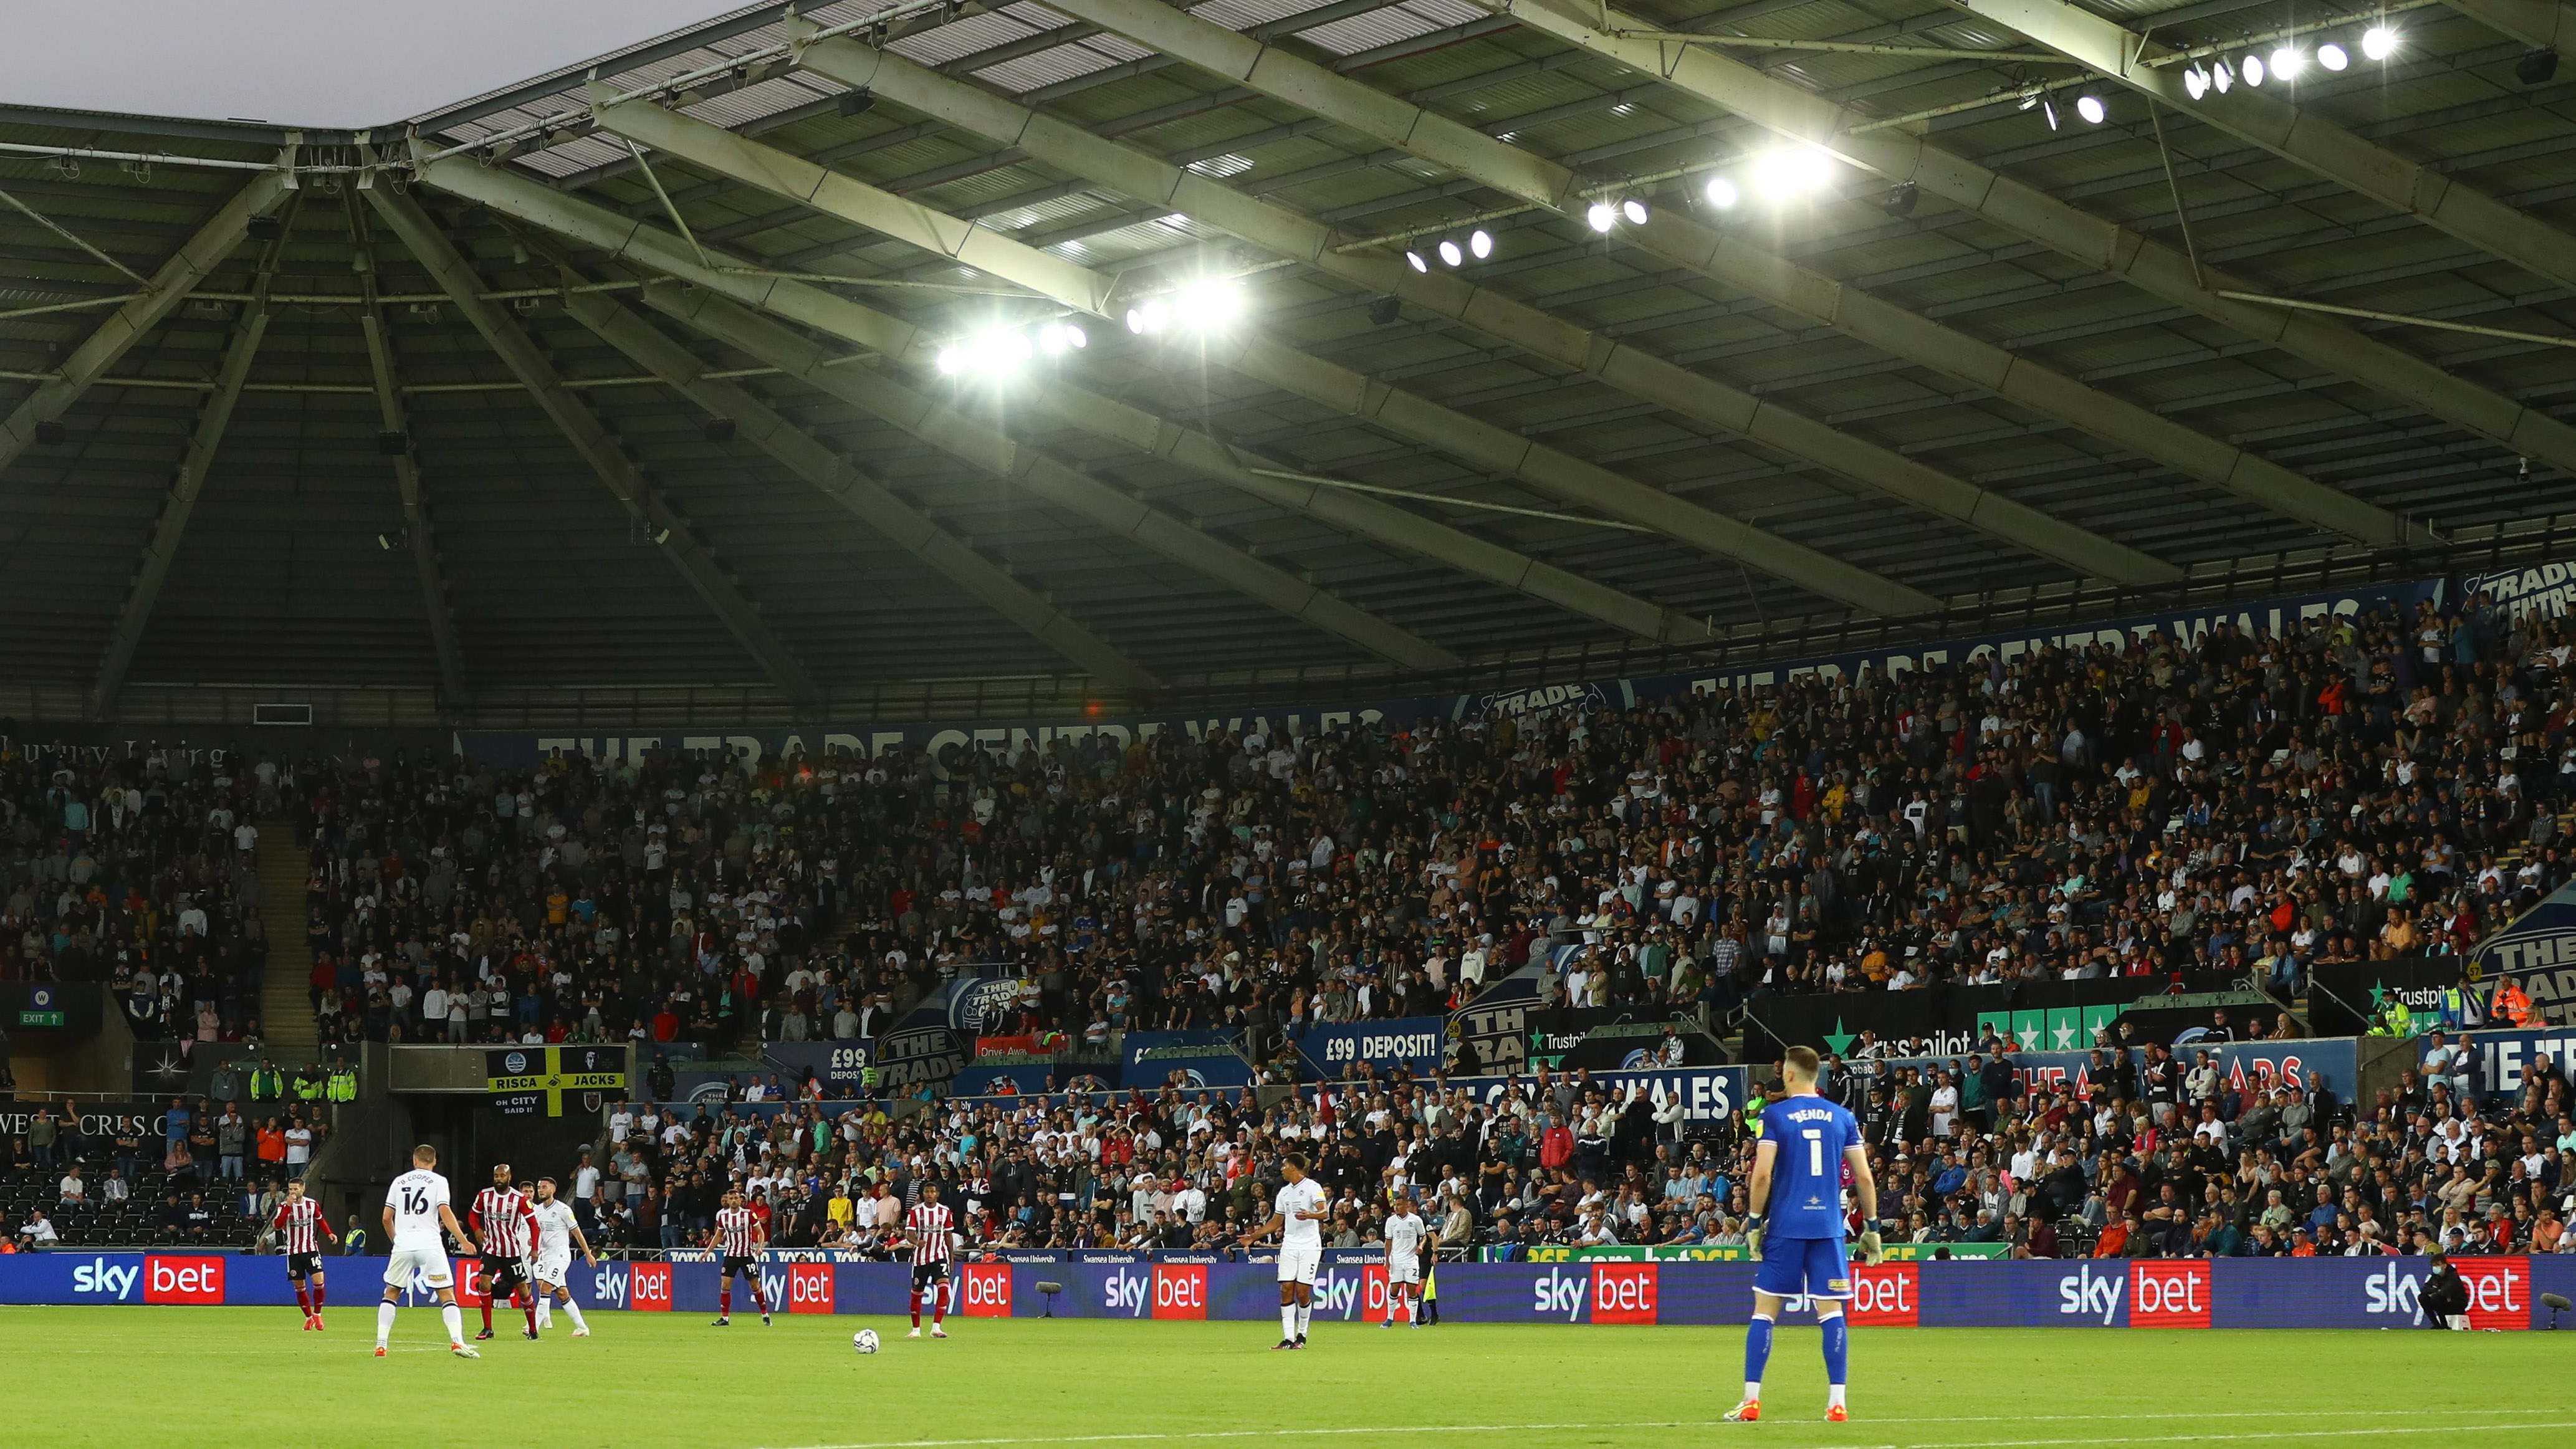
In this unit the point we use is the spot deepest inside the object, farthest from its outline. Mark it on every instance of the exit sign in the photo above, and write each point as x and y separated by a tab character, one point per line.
40	1018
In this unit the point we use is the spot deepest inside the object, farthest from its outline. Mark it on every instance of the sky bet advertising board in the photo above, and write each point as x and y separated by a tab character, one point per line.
2504	1293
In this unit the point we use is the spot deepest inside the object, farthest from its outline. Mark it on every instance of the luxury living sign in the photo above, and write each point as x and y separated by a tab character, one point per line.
753	744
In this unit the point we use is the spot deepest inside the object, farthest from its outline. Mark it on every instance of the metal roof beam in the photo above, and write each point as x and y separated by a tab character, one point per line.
679	542
180	503
2540	24
420	536
2164	271
170	285
1643	375
863	496
1727	257
715	149
2304	136
1069	488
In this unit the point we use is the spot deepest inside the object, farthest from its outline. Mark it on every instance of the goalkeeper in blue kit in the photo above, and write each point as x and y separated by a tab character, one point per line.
1796	1232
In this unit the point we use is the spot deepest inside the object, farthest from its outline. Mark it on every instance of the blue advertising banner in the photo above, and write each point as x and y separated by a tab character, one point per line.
1414	1043
2537	952
1026	1079
2172	1293
753	743
2497	1059
1135	1044
837	1063
1191	1070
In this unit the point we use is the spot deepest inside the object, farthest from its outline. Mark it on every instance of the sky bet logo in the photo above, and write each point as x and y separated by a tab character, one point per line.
102	1277
2391	1292
1127	1292
1560	1292
2090	1295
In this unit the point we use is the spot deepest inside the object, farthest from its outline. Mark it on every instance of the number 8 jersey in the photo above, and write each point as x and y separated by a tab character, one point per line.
416	1197
1809	1135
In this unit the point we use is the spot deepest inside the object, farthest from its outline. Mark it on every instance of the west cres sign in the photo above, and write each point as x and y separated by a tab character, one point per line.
2504	1292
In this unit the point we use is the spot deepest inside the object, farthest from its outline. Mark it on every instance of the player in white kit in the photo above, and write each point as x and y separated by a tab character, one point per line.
1297	1215
558	1233
1404	1235
418	1223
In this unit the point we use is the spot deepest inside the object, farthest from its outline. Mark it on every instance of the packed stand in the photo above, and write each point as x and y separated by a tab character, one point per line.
205	1172
137	869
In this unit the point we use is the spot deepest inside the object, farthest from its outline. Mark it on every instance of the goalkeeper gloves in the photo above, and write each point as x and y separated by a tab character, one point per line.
1872	1251
1753	1239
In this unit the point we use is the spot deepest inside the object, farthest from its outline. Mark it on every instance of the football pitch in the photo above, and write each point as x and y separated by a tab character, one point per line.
122	1376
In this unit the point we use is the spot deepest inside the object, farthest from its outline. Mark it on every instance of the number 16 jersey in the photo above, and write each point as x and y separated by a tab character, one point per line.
416	1197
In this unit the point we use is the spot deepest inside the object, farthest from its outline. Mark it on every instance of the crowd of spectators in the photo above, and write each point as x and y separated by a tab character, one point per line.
136	868
202	1171
2242	800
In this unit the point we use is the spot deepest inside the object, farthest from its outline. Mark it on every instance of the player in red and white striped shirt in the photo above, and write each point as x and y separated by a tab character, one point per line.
504	1222
739	1235
299	1226
932	1233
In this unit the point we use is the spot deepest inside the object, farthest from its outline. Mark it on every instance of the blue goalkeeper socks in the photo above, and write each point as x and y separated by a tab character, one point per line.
1837	1348
1757	1354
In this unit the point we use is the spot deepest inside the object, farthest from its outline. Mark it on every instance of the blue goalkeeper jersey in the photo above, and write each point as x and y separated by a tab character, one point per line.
1807	1166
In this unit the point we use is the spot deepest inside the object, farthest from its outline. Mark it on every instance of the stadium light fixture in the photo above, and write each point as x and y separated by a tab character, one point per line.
2333	57
1414	260
1480	243
2090	107
1210	305
2195	81
1634	210
1787	172
1450	254
2222	77
2287	62
2379	42
1602	216
1722	193
2253	70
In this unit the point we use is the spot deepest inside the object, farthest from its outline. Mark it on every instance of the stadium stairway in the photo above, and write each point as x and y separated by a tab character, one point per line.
285	1011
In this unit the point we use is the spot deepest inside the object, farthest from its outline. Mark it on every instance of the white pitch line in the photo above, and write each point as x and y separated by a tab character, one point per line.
1196	1435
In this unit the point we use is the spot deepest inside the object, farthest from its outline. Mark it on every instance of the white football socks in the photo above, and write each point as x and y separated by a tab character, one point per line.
1287	1320
1833	1396
454	1318
572	1310
384	1323
545	1311
1304	1311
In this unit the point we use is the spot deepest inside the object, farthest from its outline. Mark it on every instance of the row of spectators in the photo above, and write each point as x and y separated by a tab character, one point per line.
208	1172
2145	1154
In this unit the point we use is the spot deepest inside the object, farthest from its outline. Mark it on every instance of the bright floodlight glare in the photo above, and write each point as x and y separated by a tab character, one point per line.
2287	62
1722	192
950	361
2090	108
1211	305
1414	260
1075	337
1635	210
1481	242
2253	70
1135	321
2221	77
2196	81
1786	172
1050	339
1450	256
2049	109
2332	56
1602	216
2379	42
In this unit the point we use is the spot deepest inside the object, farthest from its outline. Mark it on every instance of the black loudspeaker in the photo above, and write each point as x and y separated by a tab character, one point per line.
52	434
2536	68
1385	310
719	430
393	445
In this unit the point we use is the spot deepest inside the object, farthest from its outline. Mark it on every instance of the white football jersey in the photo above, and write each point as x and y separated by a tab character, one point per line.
554	1228
1305	1195
1403	1236
416	1197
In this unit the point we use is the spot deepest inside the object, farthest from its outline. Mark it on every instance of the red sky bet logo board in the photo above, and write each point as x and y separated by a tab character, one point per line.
1884	1296
2169	1294
987	1290
2499	1291
648	1287
183	1280
1180	1290
1624	1292
809	1287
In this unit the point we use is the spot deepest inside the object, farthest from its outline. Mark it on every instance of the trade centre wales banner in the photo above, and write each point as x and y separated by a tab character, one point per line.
524	749
2505	1293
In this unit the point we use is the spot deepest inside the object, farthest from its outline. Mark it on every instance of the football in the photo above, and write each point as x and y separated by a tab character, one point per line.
865	1340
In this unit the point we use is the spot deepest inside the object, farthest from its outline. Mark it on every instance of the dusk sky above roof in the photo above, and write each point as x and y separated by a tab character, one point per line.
319	63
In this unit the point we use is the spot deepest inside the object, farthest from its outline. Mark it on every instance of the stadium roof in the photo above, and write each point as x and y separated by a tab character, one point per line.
683	369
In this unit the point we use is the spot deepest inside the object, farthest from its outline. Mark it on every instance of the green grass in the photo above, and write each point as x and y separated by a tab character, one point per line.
243	1376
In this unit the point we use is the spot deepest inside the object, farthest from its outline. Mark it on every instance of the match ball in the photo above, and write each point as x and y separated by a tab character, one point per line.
865	1340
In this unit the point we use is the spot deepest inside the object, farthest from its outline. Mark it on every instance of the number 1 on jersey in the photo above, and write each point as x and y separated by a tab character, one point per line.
1815	1150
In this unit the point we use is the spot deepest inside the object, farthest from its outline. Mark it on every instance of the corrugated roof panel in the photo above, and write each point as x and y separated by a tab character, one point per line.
1385	27
945	43
751	103
1047	67
1245	14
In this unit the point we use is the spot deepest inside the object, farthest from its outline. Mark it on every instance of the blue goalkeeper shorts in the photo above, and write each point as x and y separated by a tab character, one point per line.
1803	1268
